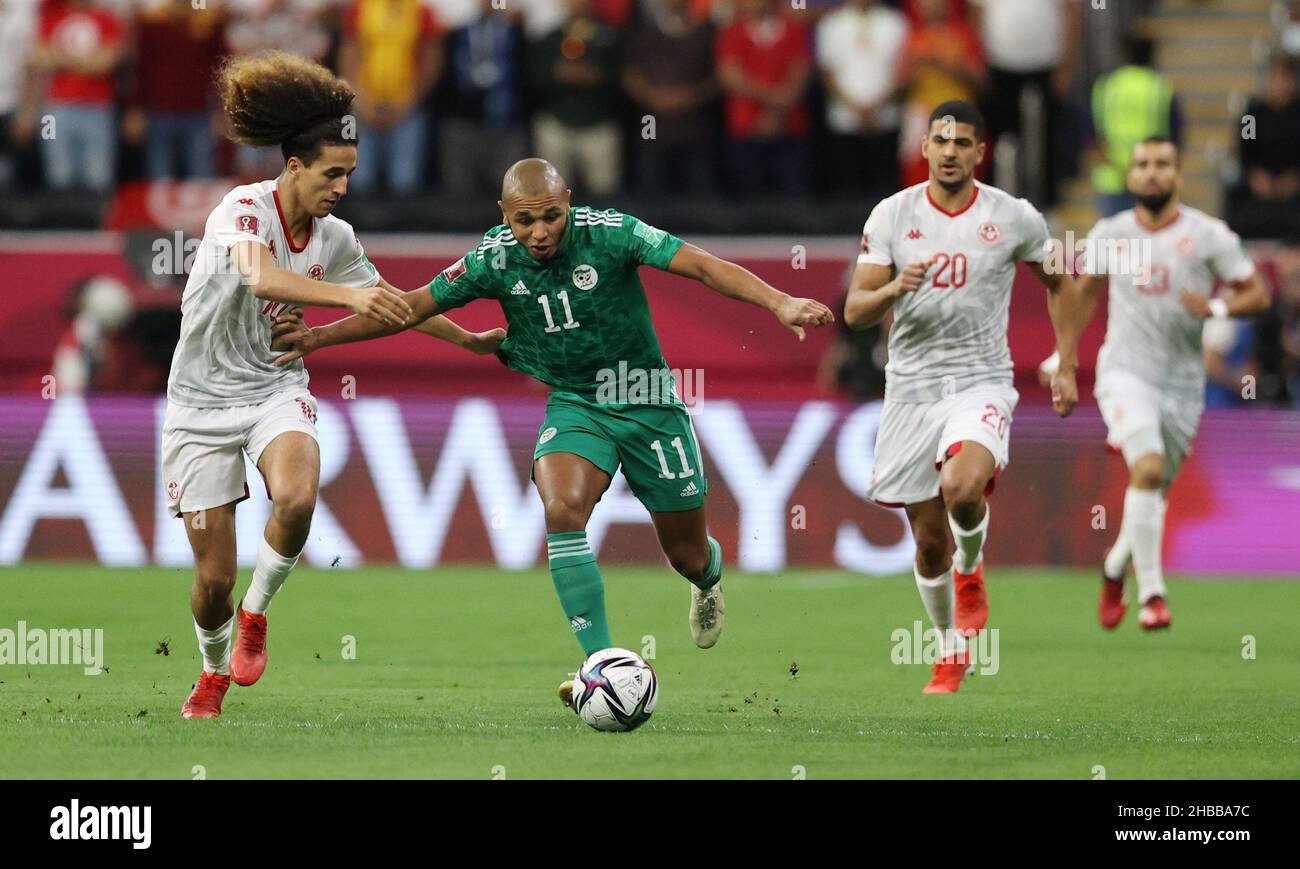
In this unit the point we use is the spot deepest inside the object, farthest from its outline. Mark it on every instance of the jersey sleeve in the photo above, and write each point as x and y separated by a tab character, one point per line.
1035	240
648	246
1228	258
876	235
350	266
460	283
243	218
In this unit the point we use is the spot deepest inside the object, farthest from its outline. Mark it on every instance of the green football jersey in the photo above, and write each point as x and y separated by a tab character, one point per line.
579	321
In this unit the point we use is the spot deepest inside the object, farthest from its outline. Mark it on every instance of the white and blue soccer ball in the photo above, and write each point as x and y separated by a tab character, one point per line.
616	690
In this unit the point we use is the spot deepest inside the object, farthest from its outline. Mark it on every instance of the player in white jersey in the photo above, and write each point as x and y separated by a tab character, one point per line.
267	248
1162	260
942	255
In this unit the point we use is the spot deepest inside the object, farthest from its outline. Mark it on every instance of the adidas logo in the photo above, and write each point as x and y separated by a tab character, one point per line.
578	623
690	490
519	290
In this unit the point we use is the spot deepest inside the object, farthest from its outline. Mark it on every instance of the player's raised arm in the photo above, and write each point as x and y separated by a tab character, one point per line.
1071	305
736	282
874	290
266	280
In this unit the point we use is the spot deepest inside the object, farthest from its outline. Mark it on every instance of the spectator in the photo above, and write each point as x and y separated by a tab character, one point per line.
78	52
177	49
392	56
1270	160
1288	311
482	120
943	61
575	71
100	306
1031	47
17	33
269	25
859	50
669	76
764	68
1128	105
1227	345
1288	28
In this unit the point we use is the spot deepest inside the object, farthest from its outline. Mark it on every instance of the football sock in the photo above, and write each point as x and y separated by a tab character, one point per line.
938	596
214	645
1116	564
713	572
269	574
1144	524
578	583
970	542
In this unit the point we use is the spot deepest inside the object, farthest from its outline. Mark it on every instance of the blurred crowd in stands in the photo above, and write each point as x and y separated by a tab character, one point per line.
823	99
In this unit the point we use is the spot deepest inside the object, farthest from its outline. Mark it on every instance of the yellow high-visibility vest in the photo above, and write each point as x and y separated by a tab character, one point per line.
1128	105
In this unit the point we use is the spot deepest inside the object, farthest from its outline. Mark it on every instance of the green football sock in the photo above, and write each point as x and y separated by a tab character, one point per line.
582	593
712	573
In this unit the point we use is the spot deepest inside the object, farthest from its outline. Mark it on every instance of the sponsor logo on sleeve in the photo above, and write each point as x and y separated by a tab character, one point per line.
246	223
652	236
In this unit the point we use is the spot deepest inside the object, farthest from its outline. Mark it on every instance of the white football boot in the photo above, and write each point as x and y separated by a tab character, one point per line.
707	615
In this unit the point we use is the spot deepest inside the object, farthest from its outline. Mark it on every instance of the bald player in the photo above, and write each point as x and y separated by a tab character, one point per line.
566	280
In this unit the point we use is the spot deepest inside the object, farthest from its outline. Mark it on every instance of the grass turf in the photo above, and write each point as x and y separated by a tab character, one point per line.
455	674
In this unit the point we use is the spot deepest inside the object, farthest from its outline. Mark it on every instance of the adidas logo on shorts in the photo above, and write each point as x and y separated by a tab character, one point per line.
519	289
691	489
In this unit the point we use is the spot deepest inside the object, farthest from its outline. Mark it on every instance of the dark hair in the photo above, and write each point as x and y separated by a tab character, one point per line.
961	112
1137	49
275	98
1162	140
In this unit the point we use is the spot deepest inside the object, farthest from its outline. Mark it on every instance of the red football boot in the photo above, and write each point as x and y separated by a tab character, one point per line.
972	601
1113	602
1155	614
205	699
948	673
249	657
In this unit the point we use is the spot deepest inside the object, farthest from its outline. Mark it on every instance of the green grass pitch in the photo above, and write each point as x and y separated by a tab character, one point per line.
455	674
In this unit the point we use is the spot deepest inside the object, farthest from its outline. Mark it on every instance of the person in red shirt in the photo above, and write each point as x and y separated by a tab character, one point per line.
173	102
763	67
77	54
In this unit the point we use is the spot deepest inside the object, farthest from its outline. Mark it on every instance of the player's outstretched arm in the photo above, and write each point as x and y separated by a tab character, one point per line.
872	292
736	282
266	280
1070	304
302	341
482	343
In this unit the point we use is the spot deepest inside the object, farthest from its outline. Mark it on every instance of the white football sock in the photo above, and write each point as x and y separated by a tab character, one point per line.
938	595
970	543
1116	564
214	645
1144	521
269	574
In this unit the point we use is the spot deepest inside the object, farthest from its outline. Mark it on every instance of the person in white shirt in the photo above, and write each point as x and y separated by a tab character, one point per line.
942	256
859	49
267	248
1162	260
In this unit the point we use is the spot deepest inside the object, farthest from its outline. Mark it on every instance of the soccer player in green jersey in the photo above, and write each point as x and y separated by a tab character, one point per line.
578	321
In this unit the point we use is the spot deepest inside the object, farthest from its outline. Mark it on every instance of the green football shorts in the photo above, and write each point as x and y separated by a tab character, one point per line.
655	444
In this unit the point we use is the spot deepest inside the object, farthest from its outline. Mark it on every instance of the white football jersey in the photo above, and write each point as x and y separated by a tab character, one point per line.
1149	332
951	333
224	356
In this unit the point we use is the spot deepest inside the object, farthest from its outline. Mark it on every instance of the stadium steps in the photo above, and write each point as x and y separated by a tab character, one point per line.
1211	51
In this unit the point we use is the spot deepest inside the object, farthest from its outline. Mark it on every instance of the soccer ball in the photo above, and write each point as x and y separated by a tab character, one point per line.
616	690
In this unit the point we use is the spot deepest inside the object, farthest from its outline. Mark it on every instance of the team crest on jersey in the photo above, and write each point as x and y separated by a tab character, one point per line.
316	272
1186	246
547	435
989	233
585	277
246	223
455	270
